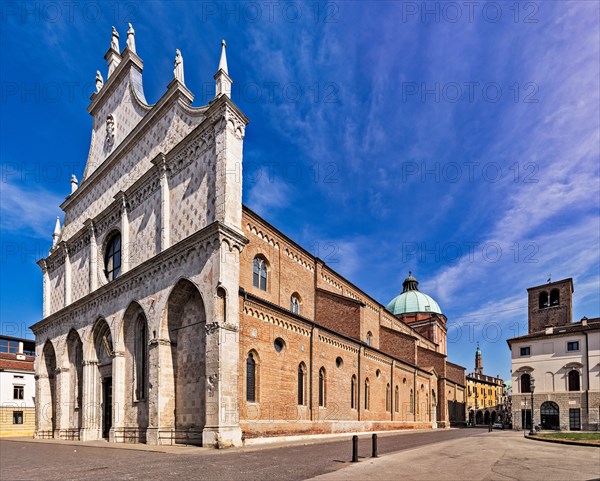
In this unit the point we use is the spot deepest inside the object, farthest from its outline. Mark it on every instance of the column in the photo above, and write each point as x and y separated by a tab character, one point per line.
90	402
68	280
125	264
45	288
61	389
93	256
118	399
165	202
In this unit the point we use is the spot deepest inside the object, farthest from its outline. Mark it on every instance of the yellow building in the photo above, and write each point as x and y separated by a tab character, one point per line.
485	395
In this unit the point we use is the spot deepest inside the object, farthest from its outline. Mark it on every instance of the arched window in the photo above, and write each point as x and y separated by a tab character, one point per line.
301	384
370	338
322	386
141	357
574	384
112	257
412	402
554	297
543	300
525	383
259	273
367	394
397	399
388	398
295	303
251	377
353	387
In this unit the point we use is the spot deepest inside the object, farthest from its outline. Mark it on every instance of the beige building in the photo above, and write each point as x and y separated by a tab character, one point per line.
557	364
486	397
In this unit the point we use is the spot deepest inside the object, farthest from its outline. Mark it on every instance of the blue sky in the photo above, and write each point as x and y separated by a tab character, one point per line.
461	143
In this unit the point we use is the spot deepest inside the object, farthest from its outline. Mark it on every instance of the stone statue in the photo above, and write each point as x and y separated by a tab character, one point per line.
110	130
99	81
131	38
178	71
114	43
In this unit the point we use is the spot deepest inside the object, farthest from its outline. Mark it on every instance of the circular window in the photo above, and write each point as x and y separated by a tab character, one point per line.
378	373
404	381
279	344
339	362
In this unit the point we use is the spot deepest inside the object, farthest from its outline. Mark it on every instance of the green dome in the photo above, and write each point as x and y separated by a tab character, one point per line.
411	300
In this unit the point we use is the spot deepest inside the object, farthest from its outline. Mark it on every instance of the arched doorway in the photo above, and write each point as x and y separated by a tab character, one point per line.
185	413
494	417
479	418
104	353
486	418
550	415
47	393
75	357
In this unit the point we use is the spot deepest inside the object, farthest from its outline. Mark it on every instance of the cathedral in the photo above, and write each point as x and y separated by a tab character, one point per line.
172	313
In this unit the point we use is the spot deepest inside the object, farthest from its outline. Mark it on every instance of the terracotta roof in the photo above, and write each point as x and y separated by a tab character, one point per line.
572	328
10	361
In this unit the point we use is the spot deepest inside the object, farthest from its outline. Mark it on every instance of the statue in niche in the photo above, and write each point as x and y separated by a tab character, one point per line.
110	130
178	71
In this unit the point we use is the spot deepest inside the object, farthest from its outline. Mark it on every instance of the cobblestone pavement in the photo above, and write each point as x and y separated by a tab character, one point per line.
40	461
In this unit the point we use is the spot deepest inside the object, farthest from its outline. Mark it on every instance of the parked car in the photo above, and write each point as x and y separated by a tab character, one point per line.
497	426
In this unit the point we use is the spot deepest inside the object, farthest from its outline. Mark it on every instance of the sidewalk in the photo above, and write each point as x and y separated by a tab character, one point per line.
486	456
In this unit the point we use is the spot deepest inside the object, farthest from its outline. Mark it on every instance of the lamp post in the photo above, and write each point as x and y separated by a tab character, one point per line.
532	388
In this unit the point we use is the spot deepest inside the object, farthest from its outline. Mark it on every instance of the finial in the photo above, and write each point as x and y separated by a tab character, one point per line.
223	60
549	278
99	81
114	43
409	273
74	183
131	38
56	233
178	70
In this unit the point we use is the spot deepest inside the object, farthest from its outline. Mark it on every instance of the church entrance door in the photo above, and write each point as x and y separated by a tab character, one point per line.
106	407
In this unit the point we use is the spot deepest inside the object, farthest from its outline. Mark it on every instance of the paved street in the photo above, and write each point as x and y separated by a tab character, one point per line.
449	455
53	461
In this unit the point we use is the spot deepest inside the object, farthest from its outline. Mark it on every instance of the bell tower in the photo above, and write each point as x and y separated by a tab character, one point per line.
550	304
478	361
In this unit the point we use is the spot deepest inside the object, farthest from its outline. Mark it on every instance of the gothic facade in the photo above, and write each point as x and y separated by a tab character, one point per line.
172	313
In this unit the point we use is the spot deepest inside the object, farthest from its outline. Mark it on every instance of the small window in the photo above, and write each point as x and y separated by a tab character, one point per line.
388	398
526	351
112	257
573	346
367	394
259	273
353	390
369	338
295	303
322	386
17	417
575	419
339	362
412	402
251	378
378	373
302	384
279	344
397	399
17	377
18	392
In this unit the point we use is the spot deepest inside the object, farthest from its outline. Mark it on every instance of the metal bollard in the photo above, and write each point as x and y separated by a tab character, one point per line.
355	449
374	446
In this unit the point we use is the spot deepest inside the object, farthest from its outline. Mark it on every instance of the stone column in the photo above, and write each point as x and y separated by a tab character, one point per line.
93	256
90	402
62	407
45	288
125	247
42	412
118	396
68	279
165	202
159	349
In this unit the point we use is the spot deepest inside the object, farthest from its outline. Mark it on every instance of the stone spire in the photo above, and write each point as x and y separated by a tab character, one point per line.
56	233
478	361
131	38
113	56
223	81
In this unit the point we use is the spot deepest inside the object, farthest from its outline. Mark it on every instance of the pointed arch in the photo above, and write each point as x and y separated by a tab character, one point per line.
74	347
47	408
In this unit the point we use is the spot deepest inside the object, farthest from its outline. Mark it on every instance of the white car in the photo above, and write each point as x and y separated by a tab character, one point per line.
497	426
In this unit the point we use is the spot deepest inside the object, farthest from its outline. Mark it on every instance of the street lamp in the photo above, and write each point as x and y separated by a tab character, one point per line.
532	388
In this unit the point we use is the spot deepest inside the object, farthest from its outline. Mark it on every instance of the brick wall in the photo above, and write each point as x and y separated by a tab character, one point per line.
398	344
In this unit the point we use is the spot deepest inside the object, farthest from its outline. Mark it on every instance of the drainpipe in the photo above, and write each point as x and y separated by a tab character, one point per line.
587	377
414	406
359	382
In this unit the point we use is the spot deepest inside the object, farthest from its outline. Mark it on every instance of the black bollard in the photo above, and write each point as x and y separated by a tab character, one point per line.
374	446
355	449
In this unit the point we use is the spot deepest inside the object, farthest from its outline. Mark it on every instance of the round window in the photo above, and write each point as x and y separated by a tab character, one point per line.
378	373
279	344
339	362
